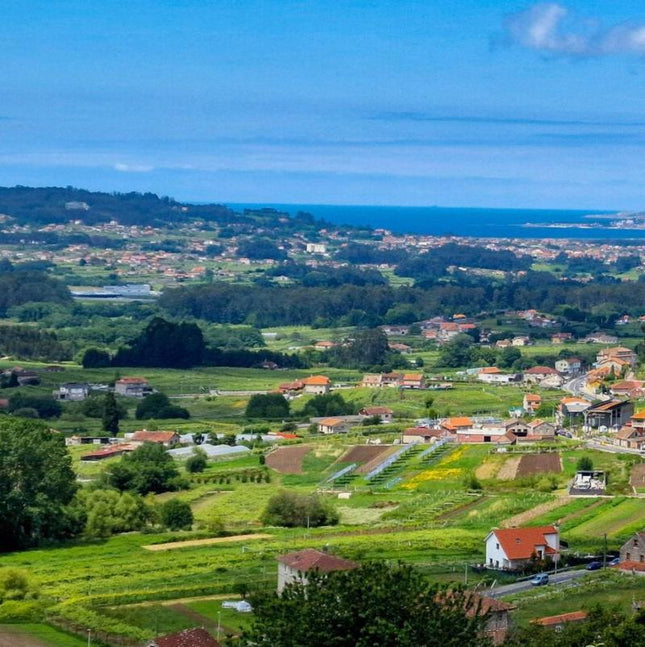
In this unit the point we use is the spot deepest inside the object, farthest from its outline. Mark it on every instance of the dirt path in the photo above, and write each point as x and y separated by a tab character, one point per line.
205	542
10	637
528	515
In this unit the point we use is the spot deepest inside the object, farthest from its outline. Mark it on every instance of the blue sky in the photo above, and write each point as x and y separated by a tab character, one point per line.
400	102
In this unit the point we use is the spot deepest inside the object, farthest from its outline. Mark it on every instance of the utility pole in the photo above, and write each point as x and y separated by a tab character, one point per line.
466	574
604	551
89	638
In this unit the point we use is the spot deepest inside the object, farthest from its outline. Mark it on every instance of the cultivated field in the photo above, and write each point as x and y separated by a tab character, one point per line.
539	464
287	460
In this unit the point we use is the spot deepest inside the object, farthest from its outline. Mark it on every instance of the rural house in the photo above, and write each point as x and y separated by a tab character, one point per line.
132	387
511	549
317	385
293	567
632	435
421	435
72	392
531	402
569	365
413	381
632	553
337	425
384	413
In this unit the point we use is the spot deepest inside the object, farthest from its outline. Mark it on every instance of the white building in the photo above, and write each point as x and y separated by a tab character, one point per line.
294	567
512	548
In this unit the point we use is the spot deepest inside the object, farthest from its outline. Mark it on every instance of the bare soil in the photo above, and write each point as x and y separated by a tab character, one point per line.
508	470
10	637
524	517
205	542
364	455
532	464
637	478
287	460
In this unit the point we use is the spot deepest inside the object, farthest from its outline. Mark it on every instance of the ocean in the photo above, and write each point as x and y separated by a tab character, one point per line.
481	223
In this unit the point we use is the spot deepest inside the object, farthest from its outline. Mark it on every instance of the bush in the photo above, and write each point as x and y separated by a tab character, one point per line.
197	462
585	464
157	405
291	510
176	515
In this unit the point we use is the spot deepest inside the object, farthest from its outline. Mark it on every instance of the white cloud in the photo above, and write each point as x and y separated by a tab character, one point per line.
133	168
553	29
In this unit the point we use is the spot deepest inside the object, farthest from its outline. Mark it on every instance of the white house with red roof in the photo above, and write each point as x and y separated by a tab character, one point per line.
511	549
317	384
293	567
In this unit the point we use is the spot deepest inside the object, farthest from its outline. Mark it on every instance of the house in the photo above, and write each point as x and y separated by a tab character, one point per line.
317	384
569	365
291	388
492	375
293	567
197	637
617	353
511	549
600	338
395	330
384	413
72	392
132	387
632	435
519	428
539	430
558	623
531	402
316	248
372	381
632	553
334	425
609	415
455	424
561	337
165	438
404	349
571	408
108	452
413	381
498	622
628	389
392	379
536	374
522	340
486	433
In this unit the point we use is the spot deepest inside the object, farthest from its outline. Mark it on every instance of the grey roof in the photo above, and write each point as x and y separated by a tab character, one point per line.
212	451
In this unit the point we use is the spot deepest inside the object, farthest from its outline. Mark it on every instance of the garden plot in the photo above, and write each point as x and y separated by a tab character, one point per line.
287	460
508	471
364	455
532	464
637	477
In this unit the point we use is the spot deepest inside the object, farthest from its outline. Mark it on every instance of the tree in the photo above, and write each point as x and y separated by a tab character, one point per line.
46	407
376	604
291	510
108	512
110	419
15	584
198	438
37	482
271	405
157	405
176	515
456	352
197	462
96	358
330	404
165	344
585	464
148	468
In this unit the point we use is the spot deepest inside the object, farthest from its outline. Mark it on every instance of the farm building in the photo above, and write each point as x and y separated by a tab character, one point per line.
421	435
611	415
337	425
293	567
165	438
557	623
72	392
511	549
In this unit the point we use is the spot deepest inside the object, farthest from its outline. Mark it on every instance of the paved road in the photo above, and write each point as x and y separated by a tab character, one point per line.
518	587
612	449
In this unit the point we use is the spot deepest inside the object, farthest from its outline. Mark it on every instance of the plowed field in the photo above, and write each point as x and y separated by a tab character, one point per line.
539	464
287	460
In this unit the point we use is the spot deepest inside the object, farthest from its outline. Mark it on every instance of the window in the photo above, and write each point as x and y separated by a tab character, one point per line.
497	546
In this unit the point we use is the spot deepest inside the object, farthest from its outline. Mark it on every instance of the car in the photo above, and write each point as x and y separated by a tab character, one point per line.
614	562
594	566
540	579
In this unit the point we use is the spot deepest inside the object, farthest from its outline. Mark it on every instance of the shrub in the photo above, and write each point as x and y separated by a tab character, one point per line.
197	462
291	510
176	515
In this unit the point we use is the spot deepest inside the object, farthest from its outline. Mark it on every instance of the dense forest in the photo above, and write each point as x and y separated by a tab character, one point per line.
376	304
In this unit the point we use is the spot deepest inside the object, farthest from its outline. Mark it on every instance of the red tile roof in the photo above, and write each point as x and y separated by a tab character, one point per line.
520	543
188	638
153	436
541	370
318	380
549	621
312	559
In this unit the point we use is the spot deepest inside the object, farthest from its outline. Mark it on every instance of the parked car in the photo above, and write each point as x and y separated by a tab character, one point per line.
540	579
594	566
614	562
